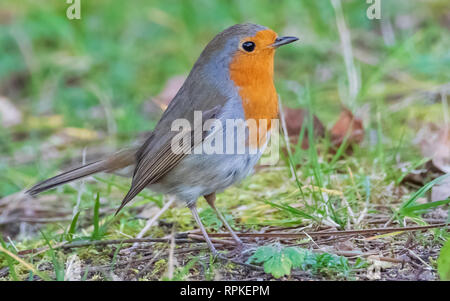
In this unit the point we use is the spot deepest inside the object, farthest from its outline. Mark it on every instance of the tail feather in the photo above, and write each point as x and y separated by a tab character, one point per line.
117	161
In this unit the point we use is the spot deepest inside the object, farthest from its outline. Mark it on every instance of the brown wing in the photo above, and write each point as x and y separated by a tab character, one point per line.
152	166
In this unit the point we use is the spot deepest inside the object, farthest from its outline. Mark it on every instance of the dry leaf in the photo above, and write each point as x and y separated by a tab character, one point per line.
434	142
441	154
346	245
441	191
294	123
6	17
348	126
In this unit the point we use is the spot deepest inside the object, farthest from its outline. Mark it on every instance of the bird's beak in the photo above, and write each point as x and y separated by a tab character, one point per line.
280	41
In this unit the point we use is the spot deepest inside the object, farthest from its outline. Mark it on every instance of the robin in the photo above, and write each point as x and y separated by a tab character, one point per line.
231	80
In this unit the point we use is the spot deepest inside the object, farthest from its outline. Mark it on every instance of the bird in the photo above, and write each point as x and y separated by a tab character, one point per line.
231	80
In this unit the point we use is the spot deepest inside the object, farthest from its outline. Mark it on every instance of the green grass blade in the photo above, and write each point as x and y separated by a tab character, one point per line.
423	207
72	227
291	210
96	219
419	193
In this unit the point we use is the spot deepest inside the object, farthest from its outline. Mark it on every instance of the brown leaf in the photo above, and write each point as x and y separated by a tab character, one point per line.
294	122
170	90
434	143
346	245
347	125
441	191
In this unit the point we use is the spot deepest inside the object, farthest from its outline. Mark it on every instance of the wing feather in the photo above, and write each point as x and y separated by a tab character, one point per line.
152	166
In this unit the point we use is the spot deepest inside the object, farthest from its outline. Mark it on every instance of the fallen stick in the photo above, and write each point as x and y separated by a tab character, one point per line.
324	233
184	237
214	240
80	244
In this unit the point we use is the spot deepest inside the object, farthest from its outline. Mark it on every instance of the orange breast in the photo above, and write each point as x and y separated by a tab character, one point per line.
253	75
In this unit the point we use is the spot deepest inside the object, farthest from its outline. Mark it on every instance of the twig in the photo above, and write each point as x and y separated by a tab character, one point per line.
218	241
420	259
34	220
330	233
80	244
354	253
39	250
24	263
121	241
393	260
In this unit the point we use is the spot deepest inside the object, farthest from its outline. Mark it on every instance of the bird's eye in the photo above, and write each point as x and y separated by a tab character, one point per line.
248	46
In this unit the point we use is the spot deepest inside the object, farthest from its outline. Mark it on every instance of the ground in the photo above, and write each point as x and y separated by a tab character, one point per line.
375	157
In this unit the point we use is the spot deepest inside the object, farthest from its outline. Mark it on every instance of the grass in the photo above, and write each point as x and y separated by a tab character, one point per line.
87	84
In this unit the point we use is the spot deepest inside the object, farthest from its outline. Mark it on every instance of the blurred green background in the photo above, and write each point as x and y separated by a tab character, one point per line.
100	73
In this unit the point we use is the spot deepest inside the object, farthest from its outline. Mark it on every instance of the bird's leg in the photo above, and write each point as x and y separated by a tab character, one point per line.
193	208
210	198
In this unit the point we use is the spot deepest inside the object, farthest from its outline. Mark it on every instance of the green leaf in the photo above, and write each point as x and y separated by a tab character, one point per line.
410	207
443	262
263	254
423	207
278	265
279	261
211	220
276	261
296	255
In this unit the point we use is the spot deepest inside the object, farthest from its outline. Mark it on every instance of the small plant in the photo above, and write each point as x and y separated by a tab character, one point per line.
278	260
413	210
9	261
72	228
